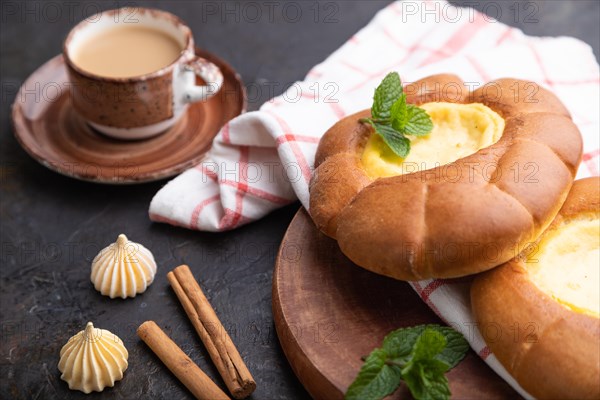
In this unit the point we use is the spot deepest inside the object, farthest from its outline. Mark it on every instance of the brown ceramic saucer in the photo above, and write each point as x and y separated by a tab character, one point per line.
51	132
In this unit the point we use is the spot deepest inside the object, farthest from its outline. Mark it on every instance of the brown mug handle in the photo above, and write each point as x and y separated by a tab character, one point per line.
209	72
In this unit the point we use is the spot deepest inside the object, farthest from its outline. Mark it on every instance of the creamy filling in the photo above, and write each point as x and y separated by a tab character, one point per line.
459	130
566	264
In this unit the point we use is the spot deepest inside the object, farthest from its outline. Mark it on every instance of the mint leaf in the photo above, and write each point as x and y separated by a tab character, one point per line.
394	139
399	116
424	383
429	344
456	346
376	378
418	121
437	389
424	374
399	343
386	94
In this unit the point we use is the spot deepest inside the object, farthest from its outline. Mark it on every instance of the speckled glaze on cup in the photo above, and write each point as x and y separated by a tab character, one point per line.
142	106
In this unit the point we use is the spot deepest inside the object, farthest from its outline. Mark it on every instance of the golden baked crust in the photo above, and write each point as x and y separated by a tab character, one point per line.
461	218
552	351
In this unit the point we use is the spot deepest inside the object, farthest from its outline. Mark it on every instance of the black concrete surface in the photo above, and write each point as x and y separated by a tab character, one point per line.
52	226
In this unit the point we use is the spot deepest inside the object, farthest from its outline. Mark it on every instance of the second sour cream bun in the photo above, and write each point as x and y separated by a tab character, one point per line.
539	313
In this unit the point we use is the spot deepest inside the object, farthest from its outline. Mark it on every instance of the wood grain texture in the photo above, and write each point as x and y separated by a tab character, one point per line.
328	313
61	140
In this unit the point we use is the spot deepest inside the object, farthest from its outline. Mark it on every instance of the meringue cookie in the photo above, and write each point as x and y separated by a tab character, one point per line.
123	269
92	360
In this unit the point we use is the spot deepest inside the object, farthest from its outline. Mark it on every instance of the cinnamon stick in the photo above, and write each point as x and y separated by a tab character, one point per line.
201	386
219	345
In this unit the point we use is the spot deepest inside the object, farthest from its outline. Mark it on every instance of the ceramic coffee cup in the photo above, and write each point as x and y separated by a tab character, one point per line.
137	107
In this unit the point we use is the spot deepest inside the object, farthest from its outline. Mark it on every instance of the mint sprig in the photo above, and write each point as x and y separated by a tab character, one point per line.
392	118
388	91
378	378
419	356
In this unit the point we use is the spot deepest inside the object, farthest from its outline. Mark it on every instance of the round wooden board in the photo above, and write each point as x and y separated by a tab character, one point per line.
328	313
